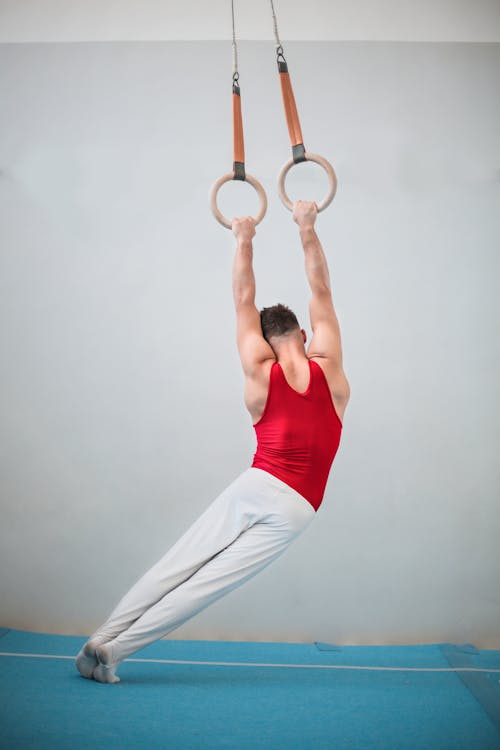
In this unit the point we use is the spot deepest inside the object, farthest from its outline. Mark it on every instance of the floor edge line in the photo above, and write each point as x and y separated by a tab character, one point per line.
269	665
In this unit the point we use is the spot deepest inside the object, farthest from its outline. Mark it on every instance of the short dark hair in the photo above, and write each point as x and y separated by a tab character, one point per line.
278	320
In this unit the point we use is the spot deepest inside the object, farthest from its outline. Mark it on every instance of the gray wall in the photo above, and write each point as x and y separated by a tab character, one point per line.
120	386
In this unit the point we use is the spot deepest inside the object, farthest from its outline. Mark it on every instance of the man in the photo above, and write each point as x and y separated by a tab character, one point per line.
297	401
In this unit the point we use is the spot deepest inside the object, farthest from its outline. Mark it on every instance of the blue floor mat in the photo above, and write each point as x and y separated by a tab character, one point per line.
228	702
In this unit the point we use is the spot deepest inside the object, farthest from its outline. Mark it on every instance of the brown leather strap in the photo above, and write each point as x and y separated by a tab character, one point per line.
238	143
292	116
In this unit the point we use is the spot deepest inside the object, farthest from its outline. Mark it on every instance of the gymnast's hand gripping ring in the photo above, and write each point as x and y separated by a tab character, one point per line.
332	178
253	182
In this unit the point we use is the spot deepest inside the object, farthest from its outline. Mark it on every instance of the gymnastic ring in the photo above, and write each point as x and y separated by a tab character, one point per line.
332	177
226	178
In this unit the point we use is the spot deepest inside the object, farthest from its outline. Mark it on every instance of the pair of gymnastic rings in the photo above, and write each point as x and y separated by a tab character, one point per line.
297	142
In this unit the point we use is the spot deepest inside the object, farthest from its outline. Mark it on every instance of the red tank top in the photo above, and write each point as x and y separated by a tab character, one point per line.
299	433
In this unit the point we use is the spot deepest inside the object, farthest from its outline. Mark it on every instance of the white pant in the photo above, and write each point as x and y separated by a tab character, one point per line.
248	526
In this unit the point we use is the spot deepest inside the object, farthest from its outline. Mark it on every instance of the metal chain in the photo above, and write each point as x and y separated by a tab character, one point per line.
279	46
236	75
275	24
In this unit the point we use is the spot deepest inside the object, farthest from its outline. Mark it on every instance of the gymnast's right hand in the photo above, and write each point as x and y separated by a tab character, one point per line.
243	229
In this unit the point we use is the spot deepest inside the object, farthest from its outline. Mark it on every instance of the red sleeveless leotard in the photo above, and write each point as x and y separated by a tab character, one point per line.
299	433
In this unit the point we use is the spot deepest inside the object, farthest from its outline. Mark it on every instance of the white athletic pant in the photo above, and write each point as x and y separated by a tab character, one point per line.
247	527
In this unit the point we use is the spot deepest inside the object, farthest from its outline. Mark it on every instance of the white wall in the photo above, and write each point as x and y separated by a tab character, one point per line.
106	20
120	387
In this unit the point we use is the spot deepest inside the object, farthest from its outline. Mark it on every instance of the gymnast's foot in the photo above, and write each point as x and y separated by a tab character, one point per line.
105	669
86	660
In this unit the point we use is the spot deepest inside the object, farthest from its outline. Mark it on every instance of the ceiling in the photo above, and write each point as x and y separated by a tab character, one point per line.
104	20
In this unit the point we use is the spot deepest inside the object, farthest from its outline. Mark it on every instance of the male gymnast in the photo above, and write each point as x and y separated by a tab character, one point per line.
296	399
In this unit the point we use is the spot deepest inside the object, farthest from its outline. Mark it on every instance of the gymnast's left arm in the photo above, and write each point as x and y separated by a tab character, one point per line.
252	346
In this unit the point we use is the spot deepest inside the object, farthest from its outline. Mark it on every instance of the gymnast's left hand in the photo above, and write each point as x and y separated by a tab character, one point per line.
244	229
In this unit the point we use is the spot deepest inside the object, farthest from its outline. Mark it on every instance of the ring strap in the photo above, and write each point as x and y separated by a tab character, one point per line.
238	143
292	116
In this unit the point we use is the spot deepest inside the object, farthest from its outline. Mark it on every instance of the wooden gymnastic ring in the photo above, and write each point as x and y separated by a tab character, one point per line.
226	178
328	169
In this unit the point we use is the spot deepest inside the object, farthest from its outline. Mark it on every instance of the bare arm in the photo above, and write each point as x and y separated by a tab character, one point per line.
326	340
252	346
